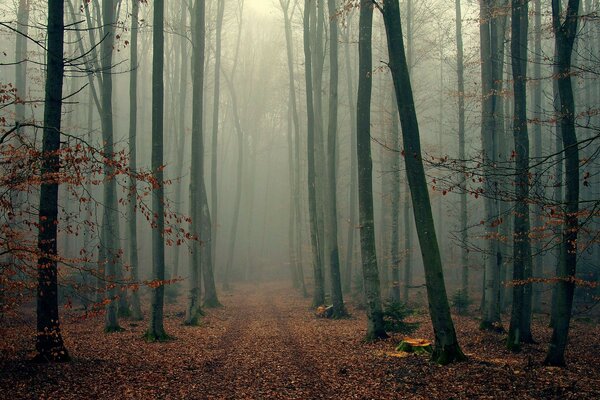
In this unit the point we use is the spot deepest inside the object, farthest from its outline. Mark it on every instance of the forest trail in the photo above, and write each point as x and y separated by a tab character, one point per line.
266	343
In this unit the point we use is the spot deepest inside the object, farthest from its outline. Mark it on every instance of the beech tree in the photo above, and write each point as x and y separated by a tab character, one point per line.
565	32
520	329
49	342
446	348
375	327
156	329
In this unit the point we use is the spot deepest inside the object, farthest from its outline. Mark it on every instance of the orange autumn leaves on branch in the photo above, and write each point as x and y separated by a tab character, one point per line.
82	166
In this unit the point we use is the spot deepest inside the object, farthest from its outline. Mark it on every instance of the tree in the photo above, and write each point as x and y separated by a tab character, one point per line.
331	213
294	156
136	311
520	329
49	342
353	193
194	311
21	59
564	39
215	125
446	348
319	290
109	251
375	326
491	28
460	68
156	329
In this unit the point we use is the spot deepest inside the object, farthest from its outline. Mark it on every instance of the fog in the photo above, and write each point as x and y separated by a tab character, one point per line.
255	186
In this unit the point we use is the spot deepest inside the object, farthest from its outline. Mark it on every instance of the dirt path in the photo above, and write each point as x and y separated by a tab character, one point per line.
267	344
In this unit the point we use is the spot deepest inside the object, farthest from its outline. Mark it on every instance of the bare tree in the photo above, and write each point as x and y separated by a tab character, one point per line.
49	342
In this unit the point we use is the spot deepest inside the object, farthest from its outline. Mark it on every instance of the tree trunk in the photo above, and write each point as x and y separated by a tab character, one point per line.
110	219
156	330
21	59
395	206
183	85
446	348
537	145
520	321
565	34
319	290
460	68
353	193
375	327
238	192
136	310
337	298
49	342
194	311
294	144
215	127
491	29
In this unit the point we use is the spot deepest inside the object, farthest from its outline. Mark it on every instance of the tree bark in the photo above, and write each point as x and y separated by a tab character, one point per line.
136	310
319	290
353	193
460	68
520	321
110	219
21	59
49	342
565	33
446	348
339	310
215	127
375	327
156	330
194	311
491	30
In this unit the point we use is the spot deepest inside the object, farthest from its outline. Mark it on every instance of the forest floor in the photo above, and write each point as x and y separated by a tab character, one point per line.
266	343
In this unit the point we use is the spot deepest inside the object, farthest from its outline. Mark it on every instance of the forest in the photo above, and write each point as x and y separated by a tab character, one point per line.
300	199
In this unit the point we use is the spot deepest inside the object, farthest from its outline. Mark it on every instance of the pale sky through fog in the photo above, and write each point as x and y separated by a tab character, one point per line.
263	7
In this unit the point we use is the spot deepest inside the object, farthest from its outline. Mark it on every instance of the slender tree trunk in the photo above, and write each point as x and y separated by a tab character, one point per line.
156	330
353	193
319	290
520	321
395	206
446	348
337	298
318	60
491	28
215	127
21	59
194	311
183	84
238	192
460	68
49	342
294	143
375	327
537	145
110	221
407	219
136	310
565	34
